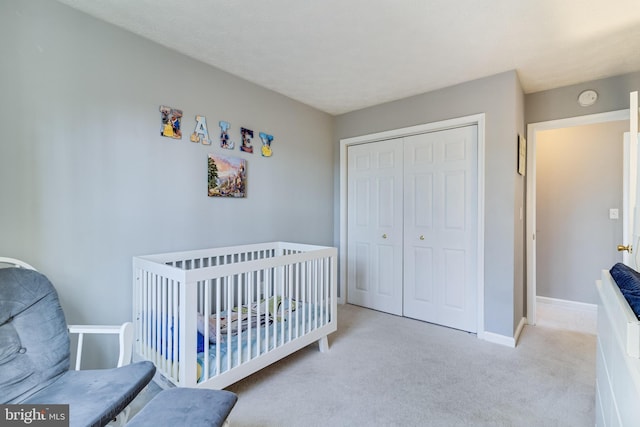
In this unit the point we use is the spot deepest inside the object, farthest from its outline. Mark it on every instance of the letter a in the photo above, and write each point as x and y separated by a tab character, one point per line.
201	134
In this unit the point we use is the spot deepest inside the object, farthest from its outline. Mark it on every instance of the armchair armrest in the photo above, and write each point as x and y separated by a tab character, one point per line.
125	332
15	262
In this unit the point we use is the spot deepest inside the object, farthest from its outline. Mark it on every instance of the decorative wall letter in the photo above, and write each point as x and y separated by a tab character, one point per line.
201	134
247	135
225	142
266	144
171	118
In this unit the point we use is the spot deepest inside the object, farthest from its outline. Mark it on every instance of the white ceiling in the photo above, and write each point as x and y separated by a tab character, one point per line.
342	55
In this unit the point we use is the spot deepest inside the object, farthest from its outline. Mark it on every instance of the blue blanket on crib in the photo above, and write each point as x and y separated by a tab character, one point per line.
167	336
266	328
259	340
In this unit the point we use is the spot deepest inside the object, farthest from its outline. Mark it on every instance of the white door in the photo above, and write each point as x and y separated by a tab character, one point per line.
412	226
631	189
440	227
374	225
629	199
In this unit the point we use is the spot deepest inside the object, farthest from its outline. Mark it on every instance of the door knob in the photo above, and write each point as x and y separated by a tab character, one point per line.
421	237
627	248
384	236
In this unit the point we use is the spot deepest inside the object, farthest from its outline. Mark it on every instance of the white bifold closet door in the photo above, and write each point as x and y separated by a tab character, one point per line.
412	226
375	225
440	227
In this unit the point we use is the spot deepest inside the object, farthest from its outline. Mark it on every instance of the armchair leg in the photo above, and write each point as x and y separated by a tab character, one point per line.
121	419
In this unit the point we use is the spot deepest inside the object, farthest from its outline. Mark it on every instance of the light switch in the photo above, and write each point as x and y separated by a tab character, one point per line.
613	214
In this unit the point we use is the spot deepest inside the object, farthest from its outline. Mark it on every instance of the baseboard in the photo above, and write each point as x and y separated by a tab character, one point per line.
504	339
519	329
566	304
563	314
500	339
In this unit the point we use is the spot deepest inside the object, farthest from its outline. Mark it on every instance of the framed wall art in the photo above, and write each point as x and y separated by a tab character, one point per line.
522	155
227	176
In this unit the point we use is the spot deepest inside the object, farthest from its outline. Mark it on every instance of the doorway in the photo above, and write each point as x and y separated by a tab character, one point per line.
545	238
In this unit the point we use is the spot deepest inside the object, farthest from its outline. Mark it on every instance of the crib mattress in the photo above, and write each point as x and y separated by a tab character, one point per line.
253	342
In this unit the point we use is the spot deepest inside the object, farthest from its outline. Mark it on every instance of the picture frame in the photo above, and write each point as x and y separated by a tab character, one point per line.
227	176
522	155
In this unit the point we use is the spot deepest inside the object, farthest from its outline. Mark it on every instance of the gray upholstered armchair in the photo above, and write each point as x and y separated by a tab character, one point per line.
35	355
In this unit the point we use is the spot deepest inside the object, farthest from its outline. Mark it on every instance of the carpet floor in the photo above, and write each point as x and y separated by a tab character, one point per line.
385	370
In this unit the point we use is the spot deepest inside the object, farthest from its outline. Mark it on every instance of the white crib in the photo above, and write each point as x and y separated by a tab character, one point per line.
208	318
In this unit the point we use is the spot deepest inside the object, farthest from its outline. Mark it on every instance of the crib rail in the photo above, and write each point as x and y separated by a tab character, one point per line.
210	317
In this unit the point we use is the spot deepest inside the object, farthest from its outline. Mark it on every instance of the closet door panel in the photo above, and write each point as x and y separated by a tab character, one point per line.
361	274
419	295
439	218
454	280
421	200
454	201
385	198
422	269
420	216
374	250
384	274
362	199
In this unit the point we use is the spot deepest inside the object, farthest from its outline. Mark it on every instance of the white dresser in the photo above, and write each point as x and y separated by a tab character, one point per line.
617	362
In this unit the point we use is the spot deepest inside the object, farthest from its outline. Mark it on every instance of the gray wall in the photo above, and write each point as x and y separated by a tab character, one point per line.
87	182
561	103
578	179
500	97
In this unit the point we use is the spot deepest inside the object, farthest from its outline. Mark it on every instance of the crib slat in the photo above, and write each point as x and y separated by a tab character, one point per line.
230	293
250	302
206	312
175	312
315	280
323	296
287	297
267	296
218	321
154	313
238	303
298	319
167	344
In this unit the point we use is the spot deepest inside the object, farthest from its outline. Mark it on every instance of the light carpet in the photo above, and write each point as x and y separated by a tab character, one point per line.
385	370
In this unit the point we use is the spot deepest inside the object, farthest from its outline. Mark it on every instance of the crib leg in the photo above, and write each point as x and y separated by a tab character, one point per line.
323	344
